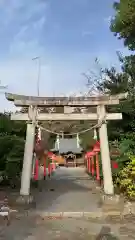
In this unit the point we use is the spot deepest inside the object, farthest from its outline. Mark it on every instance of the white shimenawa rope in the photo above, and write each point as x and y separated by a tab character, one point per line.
73	133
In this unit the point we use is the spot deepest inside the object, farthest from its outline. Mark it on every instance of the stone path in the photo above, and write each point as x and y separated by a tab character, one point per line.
34	228
69	190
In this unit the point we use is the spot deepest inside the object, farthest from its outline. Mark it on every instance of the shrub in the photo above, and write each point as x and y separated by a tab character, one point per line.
126	179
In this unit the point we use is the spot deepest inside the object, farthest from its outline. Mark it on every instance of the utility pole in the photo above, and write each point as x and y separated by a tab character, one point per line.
38	77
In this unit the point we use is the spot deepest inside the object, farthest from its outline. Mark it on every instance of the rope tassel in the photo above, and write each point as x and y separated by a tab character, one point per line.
95	134
58	141
78	140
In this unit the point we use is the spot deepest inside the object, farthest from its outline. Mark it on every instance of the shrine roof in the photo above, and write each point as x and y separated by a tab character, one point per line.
68	145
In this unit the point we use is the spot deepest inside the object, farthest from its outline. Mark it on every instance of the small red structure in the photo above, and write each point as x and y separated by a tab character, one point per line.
90	154
114	165
96	149
90	159
50	154
92	166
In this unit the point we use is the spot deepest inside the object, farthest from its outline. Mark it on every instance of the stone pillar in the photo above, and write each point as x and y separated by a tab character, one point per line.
105	154
27	162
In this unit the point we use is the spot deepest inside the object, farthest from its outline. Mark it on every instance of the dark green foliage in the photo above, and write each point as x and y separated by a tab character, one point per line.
8	127
12	138
87	140
124	21
119	83
14	159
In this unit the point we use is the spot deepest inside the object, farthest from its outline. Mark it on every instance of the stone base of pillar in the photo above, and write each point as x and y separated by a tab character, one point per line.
112	203
23	200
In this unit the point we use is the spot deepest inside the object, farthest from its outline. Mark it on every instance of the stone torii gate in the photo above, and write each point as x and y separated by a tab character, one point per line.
99	102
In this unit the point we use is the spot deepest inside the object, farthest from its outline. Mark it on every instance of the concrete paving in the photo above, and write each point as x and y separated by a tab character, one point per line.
69	190
34	228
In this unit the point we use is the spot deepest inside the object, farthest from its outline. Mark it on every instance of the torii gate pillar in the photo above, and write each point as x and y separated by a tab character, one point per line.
27	161
28	154
105	154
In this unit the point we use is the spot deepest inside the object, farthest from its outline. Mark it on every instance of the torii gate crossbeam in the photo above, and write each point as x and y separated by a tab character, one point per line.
65	117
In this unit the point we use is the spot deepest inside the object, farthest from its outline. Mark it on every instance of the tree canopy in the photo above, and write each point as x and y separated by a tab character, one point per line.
120	82
124	21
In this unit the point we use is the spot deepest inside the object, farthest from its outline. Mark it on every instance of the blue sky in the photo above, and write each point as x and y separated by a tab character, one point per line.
67	34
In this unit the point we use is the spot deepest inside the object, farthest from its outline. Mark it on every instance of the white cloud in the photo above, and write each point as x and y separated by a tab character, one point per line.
17	15
40	23
87	33
26	49
21	33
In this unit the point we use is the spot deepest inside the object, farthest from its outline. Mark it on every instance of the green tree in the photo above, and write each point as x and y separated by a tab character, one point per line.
87	140
12	136
124	21
120	82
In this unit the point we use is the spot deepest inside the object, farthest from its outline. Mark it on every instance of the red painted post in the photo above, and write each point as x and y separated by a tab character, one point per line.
89	166
97	168
44	168
36	170
49	170
92	167
97	150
